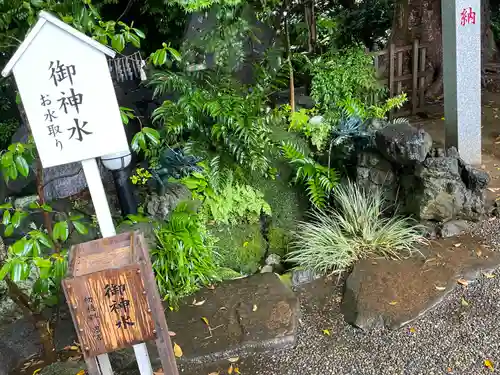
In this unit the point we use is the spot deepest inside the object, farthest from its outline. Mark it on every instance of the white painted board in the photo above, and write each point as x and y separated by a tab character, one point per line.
68	95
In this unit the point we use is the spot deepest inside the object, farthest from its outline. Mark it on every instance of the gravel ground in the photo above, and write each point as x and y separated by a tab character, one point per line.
451	339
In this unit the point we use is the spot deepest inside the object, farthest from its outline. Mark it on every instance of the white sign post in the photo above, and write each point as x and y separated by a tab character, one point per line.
67	92
462	76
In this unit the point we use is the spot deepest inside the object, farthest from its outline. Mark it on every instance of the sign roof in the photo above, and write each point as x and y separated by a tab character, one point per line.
45	17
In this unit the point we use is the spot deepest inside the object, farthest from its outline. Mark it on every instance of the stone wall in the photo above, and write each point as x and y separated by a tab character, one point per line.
419	180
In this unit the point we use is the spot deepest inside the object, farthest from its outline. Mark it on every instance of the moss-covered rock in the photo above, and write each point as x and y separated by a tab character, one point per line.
240	247
279	240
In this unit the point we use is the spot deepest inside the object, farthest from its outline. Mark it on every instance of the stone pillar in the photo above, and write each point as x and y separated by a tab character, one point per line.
461	20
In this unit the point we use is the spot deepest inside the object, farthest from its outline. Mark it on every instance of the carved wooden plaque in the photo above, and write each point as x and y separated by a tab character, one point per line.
110	309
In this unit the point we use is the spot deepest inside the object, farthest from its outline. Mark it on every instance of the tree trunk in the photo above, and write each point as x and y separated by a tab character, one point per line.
41	324
421	19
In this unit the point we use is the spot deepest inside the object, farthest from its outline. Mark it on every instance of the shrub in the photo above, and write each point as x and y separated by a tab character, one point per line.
184	259
355	229
241	247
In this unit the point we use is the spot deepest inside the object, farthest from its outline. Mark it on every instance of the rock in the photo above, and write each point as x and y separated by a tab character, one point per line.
301	277
24	202
266	269
453	228
160	206
63	368
436	192
403	144
475	179
243	328
374	172
392	293
273	260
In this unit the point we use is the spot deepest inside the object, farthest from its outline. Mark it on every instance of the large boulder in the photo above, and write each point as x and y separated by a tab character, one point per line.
437	191
403	144
375	172
160	206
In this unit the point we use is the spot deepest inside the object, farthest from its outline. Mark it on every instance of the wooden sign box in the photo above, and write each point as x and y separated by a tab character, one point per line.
114	300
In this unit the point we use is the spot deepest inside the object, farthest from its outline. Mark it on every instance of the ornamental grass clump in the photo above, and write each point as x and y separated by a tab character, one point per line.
355	228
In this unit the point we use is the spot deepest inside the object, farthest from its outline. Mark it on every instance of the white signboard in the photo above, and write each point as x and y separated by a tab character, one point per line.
67	92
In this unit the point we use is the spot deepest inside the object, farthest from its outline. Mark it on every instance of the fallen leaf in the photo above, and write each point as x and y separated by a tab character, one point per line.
449	369
463	282
205	320
254	308
393	303
245	244
172	333
199	303
211	287
234	359
479	252
158	372
39	369
177	350
236	370
457	244
488	275
171	308
488	364
81	372
464	302
493	190
214	373
412	330
440	288
230	369
326	332
442	118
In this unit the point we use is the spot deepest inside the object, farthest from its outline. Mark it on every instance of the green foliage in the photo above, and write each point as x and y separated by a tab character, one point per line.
279	240
198	5
38	255
16	160
126	114
216	114
355	229
300	122
184	259
319	180
7	130
353	107
224	199
140	177
342	75
161	57
240	246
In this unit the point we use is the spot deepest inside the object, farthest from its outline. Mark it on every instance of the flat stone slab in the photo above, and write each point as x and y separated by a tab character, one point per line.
389	293
247	315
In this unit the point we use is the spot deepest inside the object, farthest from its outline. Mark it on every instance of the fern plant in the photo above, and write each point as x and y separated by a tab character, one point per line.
215	113
225	200
318	179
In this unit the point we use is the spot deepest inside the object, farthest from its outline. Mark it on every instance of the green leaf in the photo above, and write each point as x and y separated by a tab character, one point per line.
118	42
5	270
16	270
46	207
152	135
60	231
5	206
7	159
134	39
81	228
161	58
16	218
138	142
22	165
76	217
6	217
139	33
36	248
43	239
42	262
9	229
176	55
